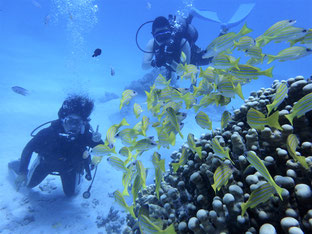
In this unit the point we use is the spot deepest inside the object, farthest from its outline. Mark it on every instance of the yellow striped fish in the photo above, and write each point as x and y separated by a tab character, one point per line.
225	119
173	119
209	74
255	53
244	43
142	126
223	61
136	187
137	109
117	163
257	119
127	95
221	177
111	132
158	162
280	94
191	143
121	201
103	150
144	145
158	180
306	40
260	195
147	226
257	163
224	42
253	61
203	120
226	87
127	136
141	171
219	150
292	144
273	31
300	108
166	137
161	82
290	33
126	180
250	72
159	165
291	53
183	57
96	160
203	88
182	160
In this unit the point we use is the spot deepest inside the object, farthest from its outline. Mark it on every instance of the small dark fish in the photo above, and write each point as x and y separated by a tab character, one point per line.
97	52
20	90
112	71
47	19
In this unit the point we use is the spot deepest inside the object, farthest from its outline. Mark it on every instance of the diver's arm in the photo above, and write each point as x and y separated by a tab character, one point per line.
148	57
186	48
26	156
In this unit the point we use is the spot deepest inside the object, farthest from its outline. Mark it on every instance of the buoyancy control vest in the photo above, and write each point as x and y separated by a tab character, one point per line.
181	29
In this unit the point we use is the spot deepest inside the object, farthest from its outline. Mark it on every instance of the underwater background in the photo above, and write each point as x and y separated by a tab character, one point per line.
46	47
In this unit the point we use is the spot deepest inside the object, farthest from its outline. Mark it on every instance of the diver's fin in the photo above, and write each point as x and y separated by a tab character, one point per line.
205	15
240	15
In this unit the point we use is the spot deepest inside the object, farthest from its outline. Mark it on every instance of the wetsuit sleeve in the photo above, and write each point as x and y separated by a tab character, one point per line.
26	155
148	57
32	146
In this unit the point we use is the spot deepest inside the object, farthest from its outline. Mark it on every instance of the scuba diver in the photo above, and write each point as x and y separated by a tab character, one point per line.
62	148
176	34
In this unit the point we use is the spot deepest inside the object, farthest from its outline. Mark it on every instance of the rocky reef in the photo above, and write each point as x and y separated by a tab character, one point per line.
188	199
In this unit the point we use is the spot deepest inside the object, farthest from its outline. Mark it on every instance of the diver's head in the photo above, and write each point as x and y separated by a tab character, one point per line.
161	30
74	124
75	113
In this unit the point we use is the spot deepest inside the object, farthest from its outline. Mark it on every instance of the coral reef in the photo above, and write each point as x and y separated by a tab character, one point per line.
188	200
112	222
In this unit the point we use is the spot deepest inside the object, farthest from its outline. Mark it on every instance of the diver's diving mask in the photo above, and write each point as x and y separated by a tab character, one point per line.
162	36
74	124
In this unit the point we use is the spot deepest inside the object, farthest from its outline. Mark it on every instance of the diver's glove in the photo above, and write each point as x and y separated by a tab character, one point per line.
20	181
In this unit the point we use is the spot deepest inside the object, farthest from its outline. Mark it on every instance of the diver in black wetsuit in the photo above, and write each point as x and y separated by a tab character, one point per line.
176	34
170	37
62	148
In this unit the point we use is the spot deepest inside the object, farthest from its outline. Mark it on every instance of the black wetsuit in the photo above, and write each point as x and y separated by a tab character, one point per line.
166	53
59	154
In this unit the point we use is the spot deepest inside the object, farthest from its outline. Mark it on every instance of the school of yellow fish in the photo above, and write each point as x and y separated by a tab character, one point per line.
217	84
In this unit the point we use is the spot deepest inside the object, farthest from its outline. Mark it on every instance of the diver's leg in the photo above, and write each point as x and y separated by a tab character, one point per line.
37	173
70	182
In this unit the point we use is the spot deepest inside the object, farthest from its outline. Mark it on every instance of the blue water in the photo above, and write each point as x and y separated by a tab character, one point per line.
46	48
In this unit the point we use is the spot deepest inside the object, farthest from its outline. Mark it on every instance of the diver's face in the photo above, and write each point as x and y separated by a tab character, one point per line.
73	124
162	35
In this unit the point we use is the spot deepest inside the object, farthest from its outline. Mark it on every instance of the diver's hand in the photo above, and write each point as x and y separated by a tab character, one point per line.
96	136
20	181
